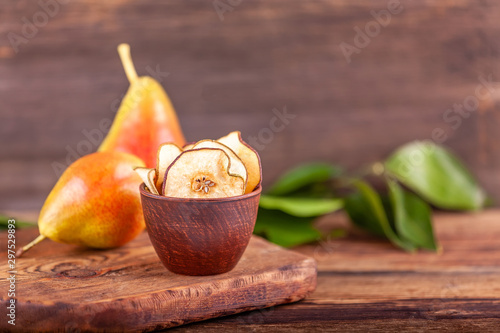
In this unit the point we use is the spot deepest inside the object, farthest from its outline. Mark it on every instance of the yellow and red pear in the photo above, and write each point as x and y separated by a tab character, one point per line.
95	203
146	117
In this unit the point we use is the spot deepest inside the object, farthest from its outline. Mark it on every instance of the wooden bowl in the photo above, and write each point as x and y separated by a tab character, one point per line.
200	236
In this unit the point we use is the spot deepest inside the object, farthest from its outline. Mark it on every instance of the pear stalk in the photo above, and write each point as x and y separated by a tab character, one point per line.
128	64
25	248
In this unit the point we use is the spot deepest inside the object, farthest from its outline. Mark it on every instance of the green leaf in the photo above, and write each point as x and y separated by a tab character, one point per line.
285	230
412	217
437	175
301	207
303	175
366	210
314	190
361	215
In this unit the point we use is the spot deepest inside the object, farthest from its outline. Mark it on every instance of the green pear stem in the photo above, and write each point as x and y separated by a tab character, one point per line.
128	64
25	248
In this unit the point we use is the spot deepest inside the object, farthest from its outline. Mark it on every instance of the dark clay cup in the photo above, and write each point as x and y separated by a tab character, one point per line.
200	236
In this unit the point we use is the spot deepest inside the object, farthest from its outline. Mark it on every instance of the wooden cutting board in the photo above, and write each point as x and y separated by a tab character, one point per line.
65	288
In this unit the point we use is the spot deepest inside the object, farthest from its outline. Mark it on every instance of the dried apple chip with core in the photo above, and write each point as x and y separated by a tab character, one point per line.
148	177
237	166
167	153
202	173
249	157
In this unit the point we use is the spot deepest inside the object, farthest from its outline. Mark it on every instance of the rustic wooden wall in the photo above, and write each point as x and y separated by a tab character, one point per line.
230	74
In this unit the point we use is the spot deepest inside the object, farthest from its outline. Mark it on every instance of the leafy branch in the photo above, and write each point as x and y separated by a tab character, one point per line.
416	176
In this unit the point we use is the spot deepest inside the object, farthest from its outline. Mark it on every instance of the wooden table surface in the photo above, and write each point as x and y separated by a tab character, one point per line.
367	284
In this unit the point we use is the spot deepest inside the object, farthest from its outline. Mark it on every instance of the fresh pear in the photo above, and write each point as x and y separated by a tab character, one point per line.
96	203
145	119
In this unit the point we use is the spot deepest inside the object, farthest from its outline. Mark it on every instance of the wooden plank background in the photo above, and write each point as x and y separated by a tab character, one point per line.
230	74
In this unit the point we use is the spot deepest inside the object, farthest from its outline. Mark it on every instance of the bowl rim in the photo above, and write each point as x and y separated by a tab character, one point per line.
255	192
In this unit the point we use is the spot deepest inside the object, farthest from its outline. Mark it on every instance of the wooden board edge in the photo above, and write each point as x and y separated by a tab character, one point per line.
286	284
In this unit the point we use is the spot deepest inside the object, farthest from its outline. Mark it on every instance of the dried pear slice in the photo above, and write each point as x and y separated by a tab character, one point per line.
188	146
237	166
148	177
249	157
167	153
202	173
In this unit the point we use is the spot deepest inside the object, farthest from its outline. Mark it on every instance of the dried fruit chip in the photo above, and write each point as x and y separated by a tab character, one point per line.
188	146
237	166
202	173
167	153
249	157
148	177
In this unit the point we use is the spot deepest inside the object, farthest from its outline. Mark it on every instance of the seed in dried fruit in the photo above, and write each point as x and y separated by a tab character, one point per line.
237	166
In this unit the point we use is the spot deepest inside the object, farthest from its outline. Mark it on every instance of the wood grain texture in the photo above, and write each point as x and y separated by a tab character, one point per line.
200	237
365	284
65	288
231	74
